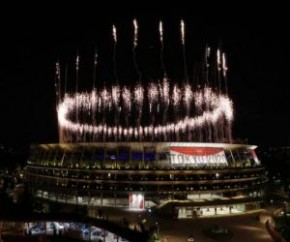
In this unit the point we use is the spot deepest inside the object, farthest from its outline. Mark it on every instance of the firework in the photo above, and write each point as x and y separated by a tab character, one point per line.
182	32
161	32
135	24
114	33
162	110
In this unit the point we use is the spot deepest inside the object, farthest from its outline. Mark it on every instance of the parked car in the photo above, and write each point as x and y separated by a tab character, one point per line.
36	231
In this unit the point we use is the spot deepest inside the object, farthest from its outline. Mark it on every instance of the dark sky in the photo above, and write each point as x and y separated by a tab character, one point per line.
258	56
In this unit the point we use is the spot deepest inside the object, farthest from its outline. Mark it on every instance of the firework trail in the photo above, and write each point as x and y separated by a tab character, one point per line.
159	111
138	100
58	95
77	71
95	68
161	32
162	49
135	44
57	82
219	68
114	32
77	86
116	89
208	128
182	32
93	94
106	107
164	90
152	93
216	107
187	97
94	105
127	103
176	96
65	79
116	106
153	98
64	134
207	55
225	69
164	87
135	41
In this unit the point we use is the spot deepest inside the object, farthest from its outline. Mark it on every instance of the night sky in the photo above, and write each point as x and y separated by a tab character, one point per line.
258	60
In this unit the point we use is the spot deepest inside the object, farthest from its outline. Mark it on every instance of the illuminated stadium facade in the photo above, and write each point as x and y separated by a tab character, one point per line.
161	145
183	179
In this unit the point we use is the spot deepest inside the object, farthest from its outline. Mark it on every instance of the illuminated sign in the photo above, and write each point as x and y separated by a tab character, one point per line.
136	200
197	156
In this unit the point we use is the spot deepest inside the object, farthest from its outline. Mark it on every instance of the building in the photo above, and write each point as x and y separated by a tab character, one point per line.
182	179
130	145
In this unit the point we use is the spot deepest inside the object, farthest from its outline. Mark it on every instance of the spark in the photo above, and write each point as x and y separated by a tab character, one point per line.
116	95
224	61
139	95
188	94
182	31
218	59
135	24
160	110
77	62
218	106
164	91
153	93
57	81
114	33
161	31
96	58
127	96
176	95
207	52
106	98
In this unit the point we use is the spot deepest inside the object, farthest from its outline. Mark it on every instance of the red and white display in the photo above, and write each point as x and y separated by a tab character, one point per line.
136	201
197	156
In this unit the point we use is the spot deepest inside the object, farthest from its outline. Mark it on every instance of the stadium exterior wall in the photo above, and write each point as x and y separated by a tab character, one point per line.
182	179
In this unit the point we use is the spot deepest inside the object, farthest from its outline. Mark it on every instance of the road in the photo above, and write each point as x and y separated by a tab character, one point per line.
244	227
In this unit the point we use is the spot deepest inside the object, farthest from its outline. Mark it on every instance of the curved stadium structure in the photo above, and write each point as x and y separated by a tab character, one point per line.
160	144
182	179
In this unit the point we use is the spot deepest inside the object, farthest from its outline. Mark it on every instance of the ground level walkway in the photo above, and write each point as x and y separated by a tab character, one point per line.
245	227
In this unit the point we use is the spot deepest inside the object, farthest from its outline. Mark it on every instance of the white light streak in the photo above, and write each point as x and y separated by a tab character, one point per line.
161	31
182	31
114	33
225	68
135	24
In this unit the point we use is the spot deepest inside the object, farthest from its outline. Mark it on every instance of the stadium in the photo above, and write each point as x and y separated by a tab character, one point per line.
161	145
180	179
